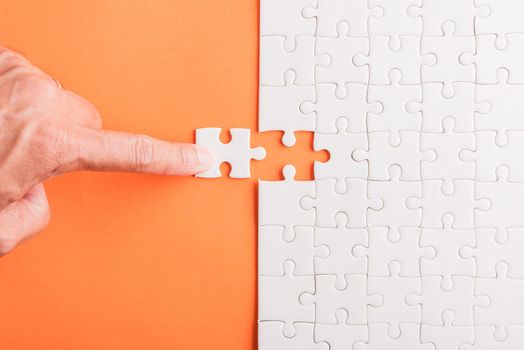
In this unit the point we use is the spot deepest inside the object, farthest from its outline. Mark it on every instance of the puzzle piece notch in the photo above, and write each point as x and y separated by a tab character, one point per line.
354	107
341	50
340	241
490	155
274	250
381	60
489	59
383	250
448	260
279	108
505	296
329	13
341	335
278	202
504	197
461	13
238	152
448	335
271	337
494	246
461	300
447	49
505	103
505	17
276	59
449	165
461	204
328	299
394	212
394	21
394	116
285	18
327	202
485	339
435	107
340	164
393	309
381	155
378	338
279	299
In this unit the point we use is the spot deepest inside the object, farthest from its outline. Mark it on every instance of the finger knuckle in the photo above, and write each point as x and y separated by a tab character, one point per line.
143	152
186	156
50	143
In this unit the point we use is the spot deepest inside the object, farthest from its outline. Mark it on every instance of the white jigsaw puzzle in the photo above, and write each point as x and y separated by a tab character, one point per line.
411	234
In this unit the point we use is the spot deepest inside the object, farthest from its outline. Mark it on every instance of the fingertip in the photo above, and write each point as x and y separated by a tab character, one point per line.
205	159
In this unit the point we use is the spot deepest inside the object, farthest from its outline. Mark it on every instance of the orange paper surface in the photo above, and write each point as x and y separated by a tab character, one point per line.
135	261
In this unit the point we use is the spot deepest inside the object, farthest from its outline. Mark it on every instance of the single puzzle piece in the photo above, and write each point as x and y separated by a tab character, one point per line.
340	240
285	18
394	193
382	250
448	145
447	336
447	49
394	116
448	260
341	50
393	289
506	106
461	12
489	155
407	59
489	59
433	301
435	107
279	108
504	17
341	164
381	155
271	337
329	13
238	152
505	197
328	299
461	204
493	247
394	21
342	335
276	59
327	203
278	299
379	339
506	301
329	108
274	250
485	339
278	203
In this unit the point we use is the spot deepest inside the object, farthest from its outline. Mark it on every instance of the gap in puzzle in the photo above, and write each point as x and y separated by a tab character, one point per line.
411	235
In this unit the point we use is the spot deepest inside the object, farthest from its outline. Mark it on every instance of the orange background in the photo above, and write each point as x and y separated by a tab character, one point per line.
134	261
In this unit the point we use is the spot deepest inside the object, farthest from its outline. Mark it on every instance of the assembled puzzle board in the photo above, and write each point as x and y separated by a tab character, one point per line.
412	235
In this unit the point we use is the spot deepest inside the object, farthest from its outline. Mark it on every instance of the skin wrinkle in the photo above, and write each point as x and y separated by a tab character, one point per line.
47	131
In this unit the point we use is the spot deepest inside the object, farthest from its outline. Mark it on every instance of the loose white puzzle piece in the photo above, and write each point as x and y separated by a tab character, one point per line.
238	152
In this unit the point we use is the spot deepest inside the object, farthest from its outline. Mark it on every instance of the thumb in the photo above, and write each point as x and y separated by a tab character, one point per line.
24	218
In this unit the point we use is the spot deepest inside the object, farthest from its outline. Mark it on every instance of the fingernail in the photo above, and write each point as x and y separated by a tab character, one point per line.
205	159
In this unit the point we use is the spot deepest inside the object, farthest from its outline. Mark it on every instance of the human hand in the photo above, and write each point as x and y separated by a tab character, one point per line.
47	131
